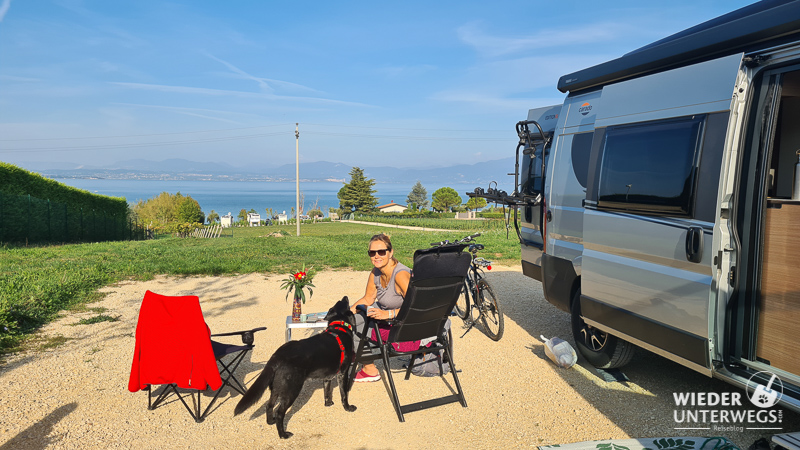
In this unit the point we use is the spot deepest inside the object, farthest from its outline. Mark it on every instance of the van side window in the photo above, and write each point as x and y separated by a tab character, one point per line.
581	149
532	171
650	167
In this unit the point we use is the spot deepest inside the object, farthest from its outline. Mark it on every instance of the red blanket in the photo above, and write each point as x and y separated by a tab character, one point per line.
173	345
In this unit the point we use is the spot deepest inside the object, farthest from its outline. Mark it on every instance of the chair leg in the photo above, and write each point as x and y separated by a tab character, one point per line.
395	399
411	363
351	376
151	405
230	368
461	397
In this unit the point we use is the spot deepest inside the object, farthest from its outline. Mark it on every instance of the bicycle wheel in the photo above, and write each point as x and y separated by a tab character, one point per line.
491	316
462	305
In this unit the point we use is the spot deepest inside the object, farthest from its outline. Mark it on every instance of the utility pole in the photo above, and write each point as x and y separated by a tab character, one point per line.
297	174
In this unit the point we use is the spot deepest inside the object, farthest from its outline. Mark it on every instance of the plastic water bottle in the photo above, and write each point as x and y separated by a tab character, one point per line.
560	352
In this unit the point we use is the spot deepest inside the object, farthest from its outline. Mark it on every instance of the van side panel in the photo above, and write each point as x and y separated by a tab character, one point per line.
698	89
647	266
565	191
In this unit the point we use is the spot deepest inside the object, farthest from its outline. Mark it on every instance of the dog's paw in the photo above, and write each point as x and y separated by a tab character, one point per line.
286	435
328	402
350	408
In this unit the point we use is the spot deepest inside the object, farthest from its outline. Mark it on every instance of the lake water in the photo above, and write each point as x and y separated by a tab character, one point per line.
232	196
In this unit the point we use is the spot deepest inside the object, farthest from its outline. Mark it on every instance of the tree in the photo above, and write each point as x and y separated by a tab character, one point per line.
315	213
189	211
166	208
242	215
476	203
212	217
418	197
357	195
444	199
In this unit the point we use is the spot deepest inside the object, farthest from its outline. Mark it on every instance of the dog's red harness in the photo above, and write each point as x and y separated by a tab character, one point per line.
336	326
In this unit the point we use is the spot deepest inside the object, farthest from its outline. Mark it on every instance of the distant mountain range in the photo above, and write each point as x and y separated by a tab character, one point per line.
181	169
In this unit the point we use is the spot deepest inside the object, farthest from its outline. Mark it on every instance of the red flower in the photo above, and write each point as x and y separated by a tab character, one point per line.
298	276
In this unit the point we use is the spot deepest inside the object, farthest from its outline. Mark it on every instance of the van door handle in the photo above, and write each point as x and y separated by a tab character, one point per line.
694	244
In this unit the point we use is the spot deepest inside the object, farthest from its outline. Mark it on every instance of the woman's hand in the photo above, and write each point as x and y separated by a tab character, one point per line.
379	314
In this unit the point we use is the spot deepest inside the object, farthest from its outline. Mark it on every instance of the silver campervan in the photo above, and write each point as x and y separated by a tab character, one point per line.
659	204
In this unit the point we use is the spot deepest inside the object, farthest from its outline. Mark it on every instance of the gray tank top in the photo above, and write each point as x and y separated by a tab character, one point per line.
388	298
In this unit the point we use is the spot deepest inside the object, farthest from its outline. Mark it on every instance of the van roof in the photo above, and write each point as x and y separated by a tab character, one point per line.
768	22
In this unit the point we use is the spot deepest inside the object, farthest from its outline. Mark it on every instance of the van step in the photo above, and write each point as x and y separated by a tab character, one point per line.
790	441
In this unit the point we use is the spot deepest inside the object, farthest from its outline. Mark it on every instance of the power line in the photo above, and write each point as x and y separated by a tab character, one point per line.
141	144
412	138
142	135
252	128
242	137
412	129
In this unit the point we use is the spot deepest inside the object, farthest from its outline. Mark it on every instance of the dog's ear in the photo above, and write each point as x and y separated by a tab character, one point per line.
342	305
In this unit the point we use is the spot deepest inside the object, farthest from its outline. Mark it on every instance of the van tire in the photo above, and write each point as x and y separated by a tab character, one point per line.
602	350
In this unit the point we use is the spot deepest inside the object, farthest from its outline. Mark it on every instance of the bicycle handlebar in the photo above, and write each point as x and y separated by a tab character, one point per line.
461	241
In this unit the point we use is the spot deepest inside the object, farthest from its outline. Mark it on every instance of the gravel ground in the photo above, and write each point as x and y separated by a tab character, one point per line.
75	396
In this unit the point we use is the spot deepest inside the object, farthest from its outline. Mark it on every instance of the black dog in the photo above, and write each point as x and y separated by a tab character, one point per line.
324	355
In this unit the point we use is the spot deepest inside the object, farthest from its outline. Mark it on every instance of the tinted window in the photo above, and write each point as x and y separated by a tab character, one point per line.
650	167
531	177
581	148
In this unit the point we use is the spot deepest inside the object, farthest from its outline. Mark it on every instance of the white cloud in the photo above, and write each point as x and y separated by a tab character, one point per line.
266	84
212	114
13	78
4	6
494	46
231	93
481	102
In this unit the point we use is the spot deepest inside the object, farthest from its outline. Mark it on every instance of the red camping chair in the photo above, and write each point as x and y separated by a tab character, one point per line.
174	348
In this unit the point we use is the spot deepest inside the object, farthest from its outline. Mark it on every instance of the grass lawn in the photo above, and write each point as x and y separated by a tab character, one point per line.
37	282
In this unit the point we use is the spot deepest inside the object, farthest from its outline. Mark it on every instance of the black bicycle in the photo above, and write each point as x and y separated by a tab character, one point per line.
478	295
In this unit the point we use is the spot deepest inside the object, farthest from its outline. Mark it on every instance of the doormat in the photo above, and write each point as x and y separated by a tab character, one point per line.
663	443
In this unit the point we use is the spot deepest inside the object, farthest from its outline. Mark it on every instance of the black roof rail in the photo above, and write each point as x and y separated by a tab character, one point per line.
768	22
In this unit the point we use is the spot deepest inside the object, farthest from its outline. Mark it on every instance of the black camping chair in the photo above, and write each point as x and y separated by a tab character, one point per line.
174	349
436	282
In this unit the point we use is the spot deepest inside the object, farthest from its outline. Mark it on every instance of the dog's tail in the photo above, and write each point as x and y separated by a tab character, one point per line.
256	390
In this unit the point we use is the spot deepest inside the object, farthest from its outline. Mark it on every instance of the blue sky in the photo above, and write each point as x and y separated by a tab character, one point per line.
404	84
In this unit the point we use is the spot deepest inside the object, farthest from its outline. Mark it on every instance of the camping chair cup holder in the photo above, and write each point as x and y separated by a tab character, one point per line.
436	282
198	363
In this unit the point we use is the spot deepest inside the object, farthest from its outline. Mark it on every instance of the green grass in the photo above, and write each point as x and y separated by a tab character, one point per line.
98	319
36	283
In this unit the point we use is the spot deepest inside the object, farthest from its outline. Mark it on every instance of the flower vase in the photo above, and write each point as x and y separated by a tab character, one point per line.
297	309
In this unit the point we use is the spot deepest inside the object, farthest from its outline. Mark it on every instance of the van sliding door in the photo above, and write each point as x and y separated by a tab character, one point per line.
766	316
651	205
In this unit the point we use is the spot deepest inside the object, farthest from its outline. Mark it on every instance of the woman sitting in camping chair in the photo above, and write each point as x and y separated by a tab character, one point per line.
386	288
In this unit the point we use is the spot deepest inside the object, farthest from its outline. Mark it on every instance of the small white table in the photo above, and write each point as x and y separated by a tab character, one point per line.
291	325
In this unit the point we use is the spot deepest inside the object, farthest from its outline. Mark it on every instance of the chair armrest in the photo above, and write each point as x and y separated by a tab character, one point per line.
247	335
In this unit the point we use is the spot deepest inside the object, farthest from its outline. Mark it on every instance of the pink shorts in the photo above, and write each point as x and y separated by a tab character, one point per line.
407	346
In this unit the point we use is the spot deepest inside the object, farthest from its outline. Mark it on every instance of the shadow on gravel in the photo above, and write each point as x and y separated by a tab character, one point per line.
646	401
38	434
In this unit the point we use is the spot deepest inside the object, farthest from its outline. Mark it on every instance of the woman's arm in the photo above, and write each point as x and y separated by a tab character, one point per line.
401	280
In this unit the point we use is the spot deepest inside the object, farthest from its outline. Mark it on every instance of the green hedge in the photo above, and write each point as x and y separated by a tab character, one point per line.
37	209
18	181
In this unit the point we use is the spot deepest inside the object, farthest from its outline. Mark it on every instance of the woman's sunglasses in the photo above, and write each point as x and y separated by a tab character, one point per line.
381	252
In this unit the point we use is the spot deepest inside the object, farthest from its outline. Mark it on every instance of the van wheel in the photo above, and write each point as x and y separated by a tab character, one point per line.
602	350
